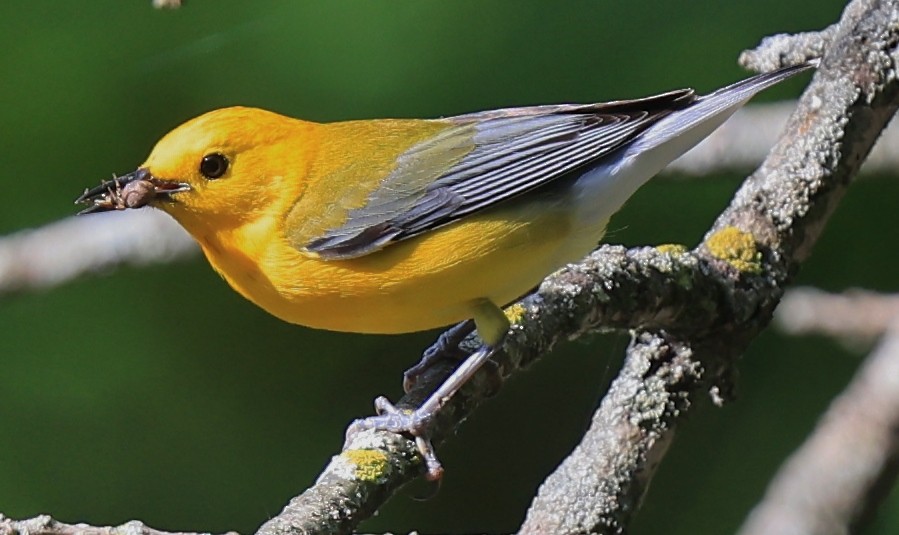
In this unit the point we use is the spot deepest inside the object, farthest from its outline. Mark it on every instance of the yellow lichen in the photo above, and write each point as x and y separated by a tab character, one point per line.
737	248
673	249
370	465
515	312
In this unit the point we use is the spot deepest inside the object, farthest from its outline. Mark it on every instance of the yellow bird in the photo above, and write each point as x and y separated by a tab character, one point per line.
400	225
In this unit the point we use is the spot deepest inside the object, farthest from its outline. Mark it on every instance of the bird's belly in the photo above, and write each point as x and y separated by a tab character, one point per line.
420	283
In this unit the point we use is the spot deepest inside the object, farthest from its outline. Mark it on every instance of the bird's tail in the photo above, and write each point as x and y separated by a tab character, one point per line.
609	185
685	128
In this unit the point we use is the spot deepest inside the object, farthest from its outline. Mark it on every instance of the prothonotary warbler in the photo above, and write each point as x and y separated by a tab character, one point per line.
399	225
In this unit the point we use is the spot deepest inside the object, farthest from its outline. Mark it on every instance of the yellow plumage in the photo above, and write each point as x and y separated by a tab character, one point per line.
301	178
391	226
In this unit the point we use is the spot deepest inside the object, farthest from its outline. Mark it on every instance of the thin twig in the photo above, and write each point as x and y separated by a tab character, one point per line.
58	253
834	481
856	315
45	525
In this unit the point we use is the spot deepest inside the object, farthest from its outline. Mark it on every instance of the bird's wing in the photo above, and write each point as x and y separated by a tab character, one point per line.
506	153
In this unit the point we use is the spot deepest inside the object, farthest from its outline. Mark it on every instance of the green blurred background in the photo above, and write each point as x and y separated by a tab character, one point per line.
160	394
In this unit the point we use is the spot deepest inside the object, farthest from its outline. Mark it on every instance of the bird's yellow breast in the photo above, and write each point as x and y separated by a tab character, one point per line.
421	283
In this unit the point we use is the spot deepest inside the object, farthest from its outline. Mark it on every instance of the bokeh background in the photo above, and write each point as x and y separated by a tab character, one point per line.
160	394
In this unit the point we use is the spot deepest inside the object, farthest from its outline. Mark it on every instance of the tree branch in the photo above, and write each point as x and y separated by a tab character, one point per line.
697	309
42	258
858	434
752	251
835	481
718	297
44	525
855	314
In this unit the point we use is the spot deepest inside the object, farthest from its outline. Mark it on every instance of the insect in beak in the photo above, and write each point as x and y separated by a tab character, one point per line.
133	190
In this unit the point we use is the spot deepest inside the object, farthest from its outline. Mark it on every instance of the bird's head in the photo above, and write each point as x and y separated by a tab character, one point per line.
230	164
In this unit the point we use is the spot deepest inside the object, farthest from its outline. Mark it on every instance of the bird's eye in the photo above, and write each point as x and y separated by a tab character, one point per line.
213	165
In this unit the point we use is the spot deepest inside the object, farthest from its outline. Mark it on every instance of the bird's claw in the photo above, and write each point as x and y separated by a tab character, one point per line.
414	422
418	422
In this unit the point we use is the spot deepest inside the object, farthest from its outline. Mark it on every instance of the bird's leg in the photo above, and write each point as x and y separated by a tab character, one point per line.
418	422
492	325
446	347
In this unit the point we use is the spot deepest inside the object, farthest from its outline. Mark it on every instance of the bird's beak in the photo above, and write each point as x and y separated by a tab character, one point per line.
128	191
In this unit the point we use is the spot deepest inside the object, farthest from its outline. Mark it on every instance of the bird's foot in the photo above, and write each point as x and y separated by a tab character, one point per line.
419	422
414	422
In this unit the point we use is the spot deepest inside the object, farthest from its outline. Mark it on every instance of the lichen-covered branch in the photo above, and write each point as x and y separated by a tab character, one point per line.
711	301
352	487
695	311
752	251
45	525
590	488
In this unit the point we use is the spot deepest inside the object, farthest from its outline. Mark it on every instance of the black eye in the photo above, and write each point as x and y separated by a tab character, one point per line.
213	165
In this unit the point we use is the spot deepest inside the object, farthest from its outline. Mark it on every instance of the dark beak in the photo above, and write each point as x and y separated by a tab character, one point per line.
128	191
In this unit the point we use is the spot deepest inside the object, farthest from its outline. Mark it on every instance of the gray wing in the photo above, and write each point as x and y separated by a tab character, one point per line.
506	153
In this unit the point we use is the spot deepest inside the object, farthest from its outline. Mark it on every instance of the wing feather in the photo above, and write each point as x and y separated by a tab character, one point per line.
514	151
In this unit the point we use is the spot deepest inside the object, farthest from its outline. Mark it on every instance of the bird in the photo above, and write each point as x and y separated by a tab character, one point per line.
402	225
